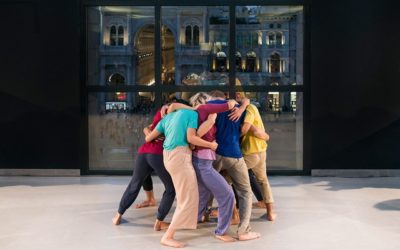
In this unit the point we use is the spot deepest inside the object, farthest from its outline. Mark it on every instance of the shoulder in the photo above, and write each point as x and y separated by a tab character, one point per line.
189	112
252	108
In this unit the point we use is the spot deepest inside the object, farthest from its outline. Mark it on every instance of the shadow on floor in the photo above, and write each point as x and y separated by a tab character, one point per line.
390	205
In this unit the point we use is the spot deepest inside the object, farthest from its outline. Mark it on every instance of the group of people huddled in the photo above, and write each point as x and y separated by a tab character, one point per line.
211	147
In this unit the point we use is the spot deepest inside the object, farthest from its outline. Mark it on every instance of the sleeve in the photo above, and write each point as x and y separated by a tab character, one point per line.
193	123
214	108
249	117
160	126
156	120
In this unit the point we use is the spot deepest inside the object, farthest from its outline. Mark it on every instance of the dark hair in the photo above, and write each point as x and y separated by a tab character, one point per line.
178	100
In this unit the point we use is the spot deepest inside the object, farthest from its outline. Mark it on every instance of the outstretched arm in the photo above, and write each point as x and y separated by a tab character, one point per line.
147	130
259	133
153	135
197	141
175	106
206	125
245	128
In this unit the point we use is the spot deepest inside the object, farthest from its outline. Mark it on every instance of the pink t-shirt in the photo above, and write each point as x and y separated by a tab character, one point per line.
155	146
203	112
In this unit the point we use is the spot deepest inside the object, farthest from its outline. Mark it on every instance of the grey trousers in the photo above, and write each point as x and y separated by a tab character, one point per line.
236	168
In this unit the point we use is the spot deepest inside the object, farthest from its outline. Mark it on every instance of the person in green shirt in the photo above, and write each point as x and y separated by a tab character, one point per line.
179	129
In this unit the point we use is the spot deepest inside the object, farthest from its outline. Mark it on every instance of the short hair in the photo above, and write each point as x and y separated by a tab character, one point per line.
218	94
199	98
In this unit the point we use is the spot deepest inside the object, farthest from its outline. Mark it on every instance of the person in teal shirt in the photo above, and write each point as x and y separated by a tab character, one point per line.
179	129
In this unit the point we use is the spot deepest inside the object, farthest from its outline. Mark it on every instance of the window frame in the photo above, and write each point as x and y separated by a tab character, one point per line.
158	88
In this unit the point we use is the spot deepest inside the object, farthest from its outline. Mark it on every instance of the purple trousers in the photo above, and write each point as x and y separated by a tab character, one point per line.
211	182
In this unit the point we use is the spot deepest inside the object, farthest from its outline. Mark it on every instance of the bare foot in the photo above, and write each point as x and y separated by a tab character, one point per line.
225	238
235	217
249	236
271	216
160	225
117	219
259	204
213	213
171	243
147	203
235	221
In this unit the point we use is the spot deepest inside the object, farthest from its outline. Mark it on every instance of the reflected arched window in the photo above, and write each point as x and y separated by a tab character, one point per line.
116	79
221	62
188	35
196	35
120	35
113	36
117	36
275	63
251	61
238	61
279	39
271	39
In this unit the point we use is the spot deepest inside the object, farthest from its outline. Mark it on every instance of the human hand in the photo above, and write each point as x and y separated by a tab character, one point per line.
214	145
235	114
163	110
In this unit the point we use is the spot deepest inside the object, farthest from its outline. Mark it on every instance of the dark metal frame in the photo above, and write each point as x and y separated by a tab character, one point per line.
158	88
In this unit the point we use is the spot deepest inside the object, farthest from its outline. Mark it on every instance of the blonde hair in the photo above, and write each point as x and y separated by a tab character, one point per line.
199	98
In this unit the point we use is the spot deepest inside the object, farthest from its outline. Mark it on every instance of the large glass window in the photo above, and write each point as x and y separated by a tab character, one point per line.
136	61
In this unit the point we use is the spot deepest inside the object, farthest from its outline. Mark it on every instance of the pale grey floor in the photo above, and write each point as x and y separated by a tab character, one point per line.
314	213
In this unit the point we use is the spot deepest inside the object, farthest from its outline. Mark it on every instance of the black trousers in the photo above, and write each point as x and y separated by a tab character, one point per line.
144	165
148	183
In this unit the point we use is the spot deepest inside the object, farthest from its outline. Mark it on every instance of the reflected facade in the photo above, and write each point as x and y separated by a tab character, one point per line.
195	52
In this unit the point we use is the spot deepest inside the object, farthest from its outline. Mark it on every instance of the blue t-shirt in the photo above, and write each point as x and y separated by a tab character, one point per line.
228	133
174	126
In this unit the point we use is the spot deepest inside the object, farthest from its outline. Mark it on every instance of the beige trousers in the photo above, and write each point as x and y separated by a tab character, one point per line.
178	163
257	162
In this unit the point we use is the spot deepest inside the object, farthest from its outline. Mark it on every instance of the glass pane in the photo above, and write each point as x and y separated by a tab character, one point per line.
282	113
269	45
195	45
120	40
116	122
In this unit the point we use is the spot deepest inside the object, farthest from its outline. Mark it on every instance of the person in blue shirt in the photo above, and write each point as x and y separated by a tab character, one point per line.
230	159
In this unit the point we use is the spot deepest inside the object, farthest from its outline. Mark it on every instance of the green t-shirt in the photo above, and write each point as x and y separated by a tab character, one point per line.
174	126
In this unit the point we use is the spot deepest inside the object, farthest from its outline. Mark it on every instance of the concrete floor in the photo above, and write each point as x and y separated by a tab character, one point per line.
313	213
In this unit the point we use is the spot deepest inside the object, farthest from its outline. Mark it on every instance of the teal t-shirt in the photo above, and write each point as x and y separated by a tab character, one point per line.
174	126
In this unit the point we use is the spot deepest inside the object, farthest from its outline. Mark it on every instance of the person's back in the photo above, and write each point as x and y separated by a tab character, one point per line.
174	127
228	135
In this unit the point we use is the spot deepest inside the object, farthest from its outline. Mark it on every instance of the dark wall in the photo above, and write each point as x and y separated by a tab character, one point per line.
39	90
355	84
353	88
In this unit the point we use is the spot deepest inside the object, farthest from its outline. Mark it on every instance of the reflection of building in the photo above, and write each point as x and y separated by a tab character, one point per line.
195	42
